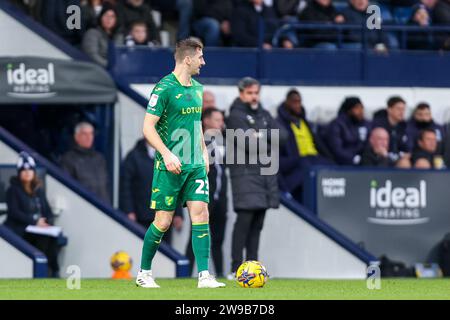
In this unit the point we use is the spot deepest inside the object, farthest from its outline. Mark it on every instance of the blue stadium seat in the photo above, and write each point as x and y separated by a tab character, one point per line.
402	14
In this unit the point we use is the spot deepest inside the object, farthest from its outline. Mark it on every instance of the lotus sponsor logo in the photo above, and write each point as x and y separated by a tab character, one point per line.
398	205
333	187
26	82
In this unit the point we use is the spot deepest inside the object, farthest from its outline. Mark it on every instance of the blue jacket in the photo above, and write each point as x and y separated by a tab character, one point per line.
347	138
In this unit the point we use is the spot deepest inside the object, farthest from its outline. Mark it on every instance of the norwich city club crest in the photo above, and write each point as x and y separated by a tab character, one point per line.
169	201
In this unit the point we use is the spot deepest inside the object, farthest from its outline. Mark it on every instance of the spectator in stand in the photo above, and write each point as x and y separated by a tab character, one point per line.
54	16
28	205
245	24
420	40
376	153
212	21
96	41
136	187
138	35
209	100
183	8
213	126
85	164
288	11
320	11
393	120
136	10
303	148
347	134
441	16
422	119
427	150
90	10
356	14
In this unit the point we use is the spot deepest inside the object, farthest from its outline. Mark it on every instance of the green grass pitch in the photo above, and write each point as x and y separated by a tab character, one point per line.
185	289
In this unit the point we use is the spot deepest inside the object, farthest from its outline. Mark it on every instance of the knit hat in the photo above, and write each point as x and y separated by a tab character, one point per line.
25	162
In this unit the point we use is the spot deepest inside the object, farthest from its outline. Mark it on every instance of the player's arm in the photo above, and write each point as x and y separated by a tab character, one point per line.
171	161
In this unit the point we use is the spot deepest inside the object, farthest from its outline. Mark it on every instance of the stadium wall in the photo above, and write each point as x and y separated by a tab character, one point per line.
14	263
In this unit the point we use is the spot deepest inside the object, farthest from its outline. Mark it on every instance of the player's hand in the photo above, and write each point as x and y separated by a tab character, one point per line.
42	222
178	223
132	216
172	163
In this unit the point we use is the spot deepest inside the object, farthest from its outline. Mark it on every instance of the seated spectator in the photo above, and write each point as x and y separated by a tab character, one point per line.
183	8
28	205
427	148
441	16
393	120
209	100
422	119
245	25
356	14
376	153
347	134
96	41
136	187
325	12
54	16
130	11
85	164
138	35
212	21
420	40
303	148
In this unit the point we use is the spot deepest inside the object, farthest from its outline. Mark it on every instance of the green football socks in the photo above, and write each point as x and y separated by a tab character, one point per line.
152	240
201	241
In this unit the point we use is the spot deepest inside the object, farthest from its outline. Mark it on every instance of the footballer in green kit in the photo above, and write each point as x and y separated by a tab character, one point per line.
172	125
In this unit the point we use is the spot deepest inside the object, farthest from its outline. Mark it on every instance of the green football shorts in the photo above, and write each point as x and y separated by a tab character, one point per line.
170	190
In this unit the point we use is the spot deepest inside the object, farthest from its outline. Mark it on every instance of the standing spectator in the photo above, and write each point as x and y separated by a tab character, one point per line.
85	164
213	126
441	16
28	205
53	16
393	120
136	10
356	14
303	148
325	12
209	100
427	149
136	187
184	10
96	41
245	24
347	134
212	20
376	154
420	40
253	193
422	119
138	35
90	10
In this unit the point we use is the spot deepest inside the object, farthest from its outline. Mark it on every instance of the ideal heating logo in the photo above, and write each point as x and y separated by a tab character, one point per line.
30	82
398	205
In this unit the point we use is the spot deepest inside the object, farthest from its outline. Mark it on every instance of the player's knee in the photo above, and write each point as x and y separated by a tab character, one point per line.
163	223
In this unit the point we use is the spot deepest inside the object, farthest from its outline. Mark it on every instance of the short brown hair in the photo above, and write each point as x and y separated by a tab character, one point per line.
187	47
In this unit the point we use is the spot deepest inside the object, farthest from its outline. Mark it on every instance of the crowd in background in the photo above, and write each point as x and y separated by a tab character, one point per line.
237	23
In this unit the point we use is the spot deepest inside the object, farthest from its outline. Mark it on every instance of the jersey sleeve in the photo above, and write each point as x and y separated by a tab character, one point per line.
158	101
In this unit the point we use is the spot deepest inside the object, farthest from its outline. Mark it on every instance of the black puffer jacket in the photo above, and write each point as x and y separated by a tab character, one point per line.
251	190
24	209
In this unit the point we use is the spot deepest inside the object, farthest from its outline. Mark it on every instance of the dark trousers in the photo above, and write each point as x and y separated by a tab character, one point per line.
217	222
246	232
49	247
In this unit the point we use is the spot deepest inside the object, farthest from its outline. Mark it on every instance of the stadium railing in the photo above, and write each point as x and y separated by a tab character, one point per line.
40	267
181	262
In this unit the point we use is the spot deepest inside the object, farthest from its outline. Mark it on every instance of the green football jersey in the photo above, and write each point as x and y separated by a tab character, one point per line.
180	109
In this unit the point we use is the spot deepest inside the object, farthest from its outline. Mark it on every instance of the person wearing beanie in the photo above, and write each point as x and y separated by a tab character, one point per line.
28	205
347	134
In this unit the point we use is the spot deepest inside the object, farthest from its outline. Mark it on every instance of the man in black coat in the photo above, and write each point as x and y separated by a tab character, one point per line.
85	164
136	187
254	191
